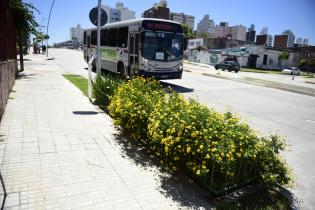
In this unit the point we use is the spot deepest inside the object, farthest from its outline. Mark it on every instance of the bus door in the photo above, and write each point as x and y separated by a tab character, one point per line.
134	40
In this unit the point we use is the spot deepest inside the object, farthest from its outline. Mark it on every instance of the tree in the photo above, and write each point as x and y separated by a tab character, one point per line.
283	57
203	35
25	24
189	34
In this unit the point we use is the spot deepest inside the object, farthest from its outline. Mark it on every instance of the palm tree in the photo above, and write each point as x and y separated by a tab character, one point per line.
25	23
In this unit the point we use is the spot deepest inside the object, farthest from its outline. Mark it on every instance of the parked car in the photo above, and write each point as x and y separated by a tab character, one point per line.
292	71
228	65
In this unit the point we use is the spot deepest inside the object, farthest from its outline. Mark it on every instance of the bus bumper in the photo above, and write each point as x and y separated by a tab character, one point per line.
162	75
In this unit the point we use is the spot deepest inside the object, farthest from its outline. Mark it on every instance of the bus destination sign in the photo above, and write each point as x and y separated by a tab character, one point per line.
162	26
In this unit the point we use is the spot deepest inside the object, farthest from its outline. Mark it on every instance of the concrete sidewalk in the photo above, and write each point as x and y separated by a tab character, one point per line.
58	151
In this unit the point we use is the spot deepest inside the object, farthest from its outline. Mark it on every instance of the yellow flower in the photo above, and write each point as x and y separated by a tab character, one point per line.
166	149
198	172
207	156
188	150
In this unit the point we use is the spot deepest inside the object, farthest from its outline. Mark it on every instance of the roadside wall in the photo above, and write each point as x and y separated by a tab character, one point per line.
270	55
212	58
7	78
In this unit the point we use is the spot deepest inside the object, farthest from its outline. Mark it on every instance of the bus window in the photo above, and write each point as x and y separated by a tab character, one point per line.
123	37
84	38
104	37
137	44
93	38
112	35
88	41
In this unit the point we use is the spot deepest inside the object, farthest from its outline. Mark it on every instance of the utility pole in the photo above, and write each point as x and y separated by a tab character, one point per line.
98	65
41	29
308	61
52	5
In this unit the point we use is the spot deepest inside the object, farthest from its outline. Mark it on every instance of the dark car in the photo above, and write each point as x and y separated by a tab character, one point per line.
228	65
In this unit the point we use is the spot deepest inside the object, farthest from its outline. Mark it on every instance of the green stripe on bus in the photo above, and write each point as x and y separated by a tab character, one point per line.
109	54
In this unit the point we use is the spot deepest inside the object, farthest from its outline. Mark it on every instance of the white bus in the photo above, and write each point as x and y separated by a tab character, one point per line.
149	47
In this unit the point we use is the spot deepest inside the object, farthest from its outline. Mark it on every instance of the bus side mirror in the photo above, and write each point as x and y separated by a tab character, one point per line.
185	43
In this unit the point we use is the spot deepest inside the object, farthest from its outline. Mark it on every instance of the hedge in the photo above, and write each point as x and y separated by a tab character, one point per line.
218	150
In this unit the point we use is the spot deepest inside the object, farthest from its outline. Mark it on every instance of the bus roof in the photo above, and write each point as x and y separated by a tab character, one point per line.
132	22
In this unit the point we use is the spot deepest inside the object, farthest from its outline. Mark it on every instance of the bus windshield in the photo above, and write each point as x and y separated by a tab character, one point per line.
162	46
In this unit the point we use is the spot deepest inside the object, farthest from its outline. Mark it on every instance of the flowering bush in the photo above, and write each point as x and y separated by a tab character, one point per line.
218	150
132	104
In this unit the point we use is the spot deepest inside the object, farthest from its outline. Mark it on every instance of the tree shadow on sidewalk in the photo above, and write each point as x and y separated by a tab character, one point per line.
176	186
25	76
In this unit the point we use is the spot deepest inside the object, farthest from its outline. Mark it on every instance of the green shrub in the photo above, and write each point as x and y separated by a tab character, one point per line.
104	88
132	104
218	150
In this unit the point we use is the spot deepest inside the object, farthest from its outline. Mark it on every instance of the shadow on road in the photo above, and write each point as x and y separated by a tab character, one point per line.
176	186
177	88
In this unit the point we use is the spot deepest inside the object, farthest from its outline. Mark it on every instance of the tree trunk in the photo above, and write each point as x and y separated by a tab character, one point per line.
21	52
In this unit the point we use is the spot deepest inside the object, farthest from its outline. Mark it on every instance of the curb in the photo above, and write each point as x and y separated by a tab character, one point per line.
266	83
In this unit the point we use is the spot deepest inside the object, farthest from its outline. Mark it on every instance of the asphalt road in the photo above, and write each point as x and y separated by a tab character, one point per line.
266	109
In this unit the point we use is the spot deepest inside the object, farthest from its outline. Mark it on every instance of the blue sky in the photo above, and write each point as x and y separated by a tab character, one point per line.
277	15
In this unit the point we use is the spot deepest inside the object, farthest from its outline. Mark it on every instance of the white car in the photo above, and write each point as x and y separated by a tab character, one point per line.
292	71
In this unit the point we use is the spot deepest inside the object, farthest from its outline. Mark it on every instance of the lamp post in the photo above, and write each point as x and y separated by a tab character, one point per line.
98	66
41	28
52	5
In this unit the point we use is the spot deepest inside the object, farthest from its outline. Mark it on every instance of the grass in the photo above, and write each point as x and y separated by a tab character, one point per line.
79	81
261	71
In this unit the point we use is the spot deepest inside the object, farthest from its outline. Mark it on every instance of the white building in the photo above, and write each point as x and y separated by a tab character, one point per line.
206	25
222	30
269	40
183	19
291	38
299	41
126	14
264	31
194	43
76	34
119	13
238	32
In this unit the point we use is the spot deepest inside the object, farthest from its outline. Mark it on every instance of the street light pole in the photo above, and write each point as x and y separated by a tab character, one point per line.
52	5
41	29
98	66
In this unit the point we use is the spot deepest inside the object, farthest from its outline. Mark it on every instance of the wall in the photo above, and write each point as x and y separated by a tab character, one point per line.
7	78
213	57
8	63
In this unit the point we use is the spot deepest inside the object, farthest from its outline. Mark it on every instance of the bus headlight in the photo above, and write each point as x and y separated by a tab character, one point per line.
180	68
